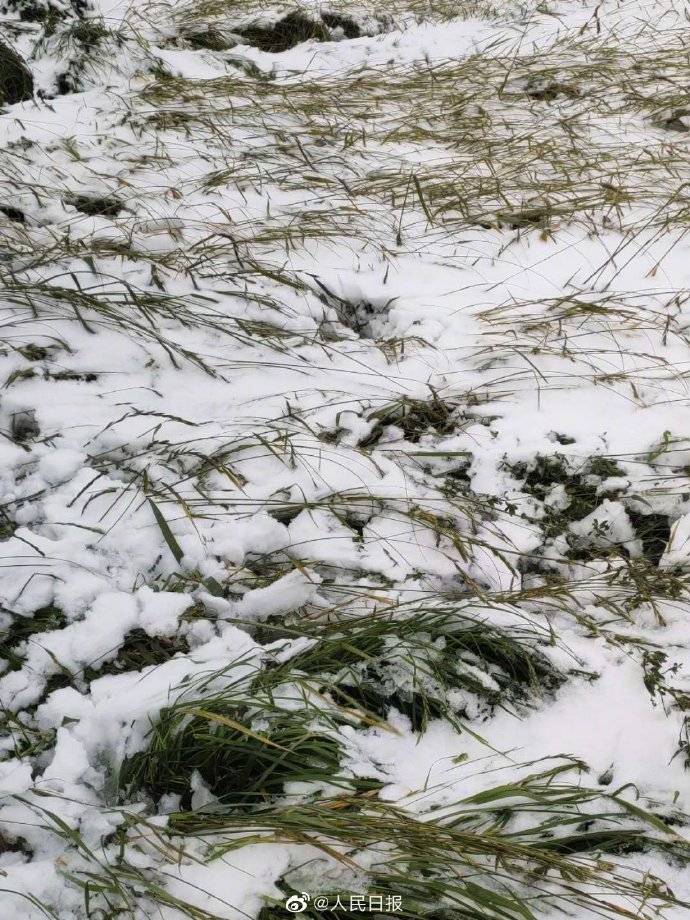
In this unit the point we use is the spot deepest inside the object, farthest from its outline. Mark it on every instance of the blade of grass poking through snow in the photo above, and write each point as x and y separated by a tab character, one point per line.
167	533
231	723
209	582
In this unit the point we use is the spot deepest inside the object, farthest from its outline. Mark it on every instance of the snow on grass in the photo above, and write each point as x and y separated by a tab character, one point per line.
344	477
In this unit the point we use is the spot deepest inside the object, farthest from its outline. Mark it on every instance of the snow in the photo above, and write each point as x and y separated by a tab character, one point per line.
677	552
200	408
246	878
60	465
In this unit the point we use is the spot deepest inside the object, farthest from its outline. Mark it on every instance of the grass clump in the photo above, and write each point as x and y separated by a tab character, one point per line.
284	34
581	484
583	488
511	851
95	205
654	531
138	651
245	744
425	664
22	738
7	525
243	751
16	81
415	418
21	629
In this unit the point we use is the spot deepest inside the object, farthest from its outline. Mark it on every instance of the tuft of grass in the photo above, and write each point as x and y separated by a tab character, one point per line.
425	664
244	750
21	629
511	851
415	417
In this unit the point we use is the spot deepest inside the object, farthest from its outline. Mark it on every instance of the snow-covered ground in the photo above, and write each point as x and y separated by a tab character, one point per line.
345	460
